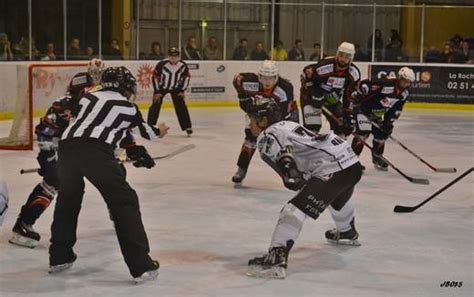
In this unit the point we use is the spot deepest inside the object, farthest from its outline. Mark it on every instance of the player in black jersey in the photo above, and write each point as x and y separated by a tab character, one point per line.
379	102
269	84
330	83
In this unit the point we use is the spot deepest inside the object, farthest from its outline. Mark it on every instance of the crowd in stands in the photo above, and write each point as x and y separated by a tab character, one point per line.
456	50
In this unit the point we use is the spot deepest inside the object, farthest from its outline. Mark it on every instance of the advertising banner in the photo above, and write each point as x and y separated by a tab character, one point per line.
435	84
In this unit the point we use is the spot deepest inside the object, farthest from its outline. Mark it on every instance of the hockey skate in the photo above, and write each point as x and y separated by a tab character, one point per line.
148	275
239	175
343	238
379	164
271	265
63	266
24	235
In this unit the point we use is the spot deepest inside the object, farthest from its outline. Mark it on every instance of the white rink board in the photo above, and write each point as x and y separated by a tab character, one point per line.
213	79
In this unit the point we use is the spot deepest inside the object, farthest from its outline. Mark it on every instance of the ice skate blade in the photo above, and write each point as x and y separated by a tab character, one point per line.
347	242
58	268
23	241
268	273
147	276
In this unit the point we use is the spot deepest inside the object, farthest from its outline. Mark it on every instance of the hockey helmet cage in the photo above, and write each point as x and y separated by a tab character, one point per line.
95	69
119	79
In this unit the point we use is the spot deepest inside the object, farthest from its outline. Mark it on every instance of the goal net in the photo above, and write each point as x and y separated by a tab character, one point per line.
37	86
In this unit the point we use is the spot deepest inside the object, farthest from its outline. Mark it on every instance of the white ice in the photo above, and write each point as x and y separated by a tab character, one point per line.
203	230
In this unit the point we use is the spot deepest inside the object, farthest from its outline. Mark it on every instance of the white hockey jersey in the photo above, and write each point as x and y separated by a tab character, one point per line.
316	155
3	201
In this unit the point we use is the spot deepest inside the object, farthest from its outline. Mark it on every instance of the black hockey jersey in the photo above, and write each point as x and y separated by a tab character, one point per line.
53	124
247	85
380	99
323	76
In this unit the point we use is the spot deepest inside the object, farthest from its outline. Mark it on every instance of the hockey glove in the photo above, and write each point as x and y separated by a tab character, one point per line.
141	157
349	123
292	178
387	129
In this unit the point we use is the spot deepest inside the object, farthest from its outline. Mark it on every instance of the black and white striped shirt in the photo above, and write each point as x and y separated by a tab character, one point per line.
106	116
169	77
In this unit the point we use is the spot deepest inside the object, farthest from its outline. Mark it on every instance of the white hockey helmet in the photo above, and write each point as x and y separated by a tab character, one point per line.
346	48
268	74
406	73
95	70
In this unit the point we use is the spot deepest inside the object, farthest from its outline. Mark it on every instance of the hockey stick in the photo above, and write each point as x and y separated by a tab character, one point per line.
401	208
452	170
414	180
167	156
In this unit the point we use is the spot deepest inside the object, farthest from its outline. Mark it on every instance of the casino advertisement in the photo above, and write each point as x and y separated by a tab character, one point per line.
435	84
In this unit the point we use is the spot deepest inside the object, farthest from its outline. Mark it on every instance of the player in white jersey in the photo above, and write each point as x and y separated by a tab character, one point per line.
323	170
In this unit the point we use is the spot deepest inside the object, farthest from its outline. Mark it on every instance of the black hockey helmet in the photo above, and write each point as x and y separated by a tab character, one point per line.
119	79
265	107
173	52
79	83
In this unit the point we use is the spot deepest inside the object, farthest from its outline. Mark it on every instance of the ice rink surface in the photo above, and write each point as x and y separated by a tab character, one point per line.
203	230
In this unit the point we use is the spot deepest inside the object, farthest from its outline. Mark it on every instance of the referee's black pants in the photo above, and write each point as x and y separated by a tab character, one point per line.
94	160
179	105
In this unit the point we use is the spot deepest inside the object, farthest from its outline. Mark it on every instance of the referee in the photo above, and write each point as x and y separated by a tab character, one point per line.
171	76
86	150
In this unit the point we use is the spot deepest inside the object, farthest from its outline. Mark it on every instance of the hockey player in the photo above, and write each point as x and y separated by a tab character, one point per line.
48	132
86	151
323	170
377	105
329	83
266	83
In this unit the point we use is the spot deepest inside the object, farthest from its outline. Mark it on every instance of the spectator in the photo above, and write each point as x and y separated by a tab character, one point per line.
447	54
379	45
393	50
5	48
456	42
113	52
190	52
433	55
240	52
259	54
359	54
156	53
22	49
50	55
278	53
90	53
211	51
463	55
316	55
74	51
297	52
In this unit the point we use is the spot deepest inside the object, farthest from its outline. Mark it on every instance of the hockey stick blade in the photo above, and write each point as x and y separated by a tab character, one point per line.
422	181
450	170
401	208
176	152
